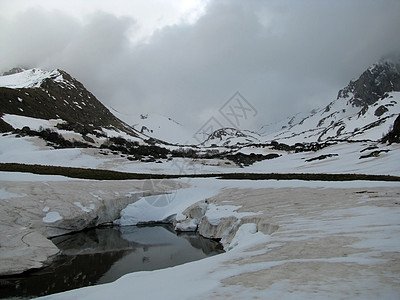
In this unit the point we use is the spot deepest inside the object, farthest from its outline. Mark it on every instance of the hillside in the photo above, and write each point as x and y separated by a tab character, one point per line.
231	137
50	118
157	126
55	95
364	110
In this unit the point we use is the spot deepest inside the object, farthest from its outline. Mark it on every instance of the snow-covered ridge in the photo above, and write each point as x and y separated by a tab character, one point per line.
57	96
156	126
342	120
225	137
31	78
364	110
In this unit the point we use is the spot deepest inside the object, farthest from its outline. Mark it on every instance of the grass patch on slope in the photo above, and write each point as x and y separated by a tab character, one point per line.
98	174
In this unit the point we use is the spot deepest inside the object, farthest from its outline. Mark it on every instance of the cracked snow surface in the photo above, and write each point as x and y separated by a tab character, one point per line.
284	239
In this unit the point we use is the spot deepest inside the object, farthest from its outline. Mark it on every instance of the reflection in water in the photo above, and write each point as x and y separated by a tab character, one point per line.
103	255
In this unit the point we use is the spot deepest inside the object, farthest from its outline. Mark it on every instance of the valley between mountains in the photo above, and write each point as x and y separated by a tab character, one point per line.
303	207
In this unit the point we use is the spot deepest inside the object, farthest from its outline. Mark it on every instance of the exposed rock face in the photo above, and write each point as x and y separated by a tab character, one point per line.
394	135
381	110
363	110
379	79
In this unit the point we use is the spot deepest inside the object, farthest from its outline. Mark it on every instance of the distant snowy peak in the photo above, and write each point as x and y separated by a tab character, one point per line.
226	137
13	71
284	123
157	126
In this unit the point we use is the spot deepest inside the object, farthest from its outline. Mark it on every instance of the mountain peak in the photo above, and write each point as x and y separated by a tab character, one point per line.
380	78
13	71
364	110
41	94
230	137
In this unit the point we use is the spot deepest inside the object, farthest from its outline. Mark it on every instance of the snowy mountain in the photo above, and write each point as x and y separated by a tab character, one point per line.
52	106
33	97
226	137
158	127
364	110
284	123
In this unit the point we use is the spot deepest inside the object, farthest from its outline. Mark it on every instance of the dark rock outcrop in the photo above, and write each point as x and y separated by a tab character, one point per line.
373	83
393	135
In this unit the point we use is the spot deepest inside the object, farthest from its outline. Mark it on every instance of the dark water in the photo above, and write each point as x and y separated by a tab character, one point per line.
103	255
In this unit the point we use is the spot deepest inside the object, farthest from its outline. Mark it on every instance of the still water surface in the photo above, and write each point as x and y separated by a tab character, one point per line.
103	255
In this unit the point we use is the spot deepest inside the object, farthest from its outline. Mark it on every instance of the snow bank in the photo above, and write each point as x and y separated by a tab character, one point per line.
158	126
7	195
331	244
159	208
51	217
27	79
359	218
17	121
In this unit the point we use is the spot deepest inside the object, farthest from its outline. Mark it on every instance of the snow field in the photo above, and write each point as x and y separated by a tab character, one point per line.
31	150
334	241
28	78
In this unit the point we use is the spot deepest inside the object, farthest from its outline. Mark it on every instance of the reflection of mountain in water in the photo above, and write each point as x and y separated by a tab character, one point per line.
103	255
209	248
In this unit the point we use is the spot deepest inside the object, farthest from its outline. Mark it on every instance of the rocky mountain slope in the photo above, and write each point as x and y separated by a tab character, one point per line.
52	106
364	110
55	95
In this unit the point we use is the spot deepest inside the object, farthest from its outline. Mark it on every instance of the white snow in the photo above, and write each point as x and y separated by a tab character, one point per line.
7	195
242	234
370	226
27	79
211	277
32	150
51	217
19	176
205	278
325	124
160	207
157	126
85	208
117	133
17	121
215	213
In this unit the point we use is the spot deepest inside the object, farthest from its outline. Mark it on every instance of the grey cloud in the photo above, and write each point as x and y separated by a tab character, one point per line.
34	35
283	56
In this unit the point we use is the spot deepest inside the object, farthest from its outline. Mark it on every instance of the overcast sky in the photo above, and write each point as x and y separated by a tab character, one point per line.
185	59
